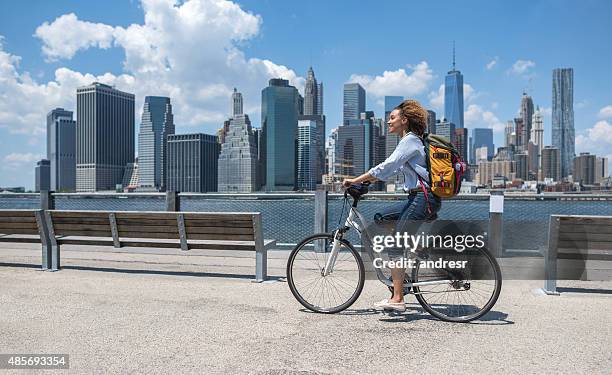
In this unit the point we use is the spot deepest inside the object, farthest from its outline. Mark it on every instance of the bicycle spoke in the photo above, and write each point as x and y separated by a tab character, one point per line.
330	293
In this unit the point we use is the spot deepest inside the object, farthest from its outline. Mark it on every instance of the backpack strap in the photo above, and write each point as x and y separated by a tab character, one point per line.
426	194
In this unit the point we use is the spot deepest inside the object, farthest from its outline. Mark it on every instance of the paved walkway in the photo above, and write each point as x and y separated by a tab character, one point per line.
134	313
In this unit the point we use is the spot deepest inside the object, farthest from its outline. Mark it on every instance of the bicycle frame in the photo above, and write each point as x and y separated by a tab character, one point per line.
350	222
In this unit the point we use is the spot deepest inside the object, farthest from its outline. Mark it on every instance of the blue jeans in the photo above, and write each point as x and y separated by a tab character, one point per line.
407	214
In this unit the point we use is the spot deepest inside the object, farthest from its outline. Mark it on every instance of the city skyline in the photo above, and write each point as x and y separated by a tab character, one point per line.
48	65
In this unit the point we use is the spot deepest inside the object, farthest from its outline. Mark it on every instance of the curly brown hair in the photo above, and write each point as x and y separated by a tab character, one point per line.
416	115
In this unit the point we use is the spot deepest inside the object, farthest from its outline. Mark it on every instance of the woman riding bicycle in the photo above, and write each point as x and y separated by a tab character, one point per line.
409	121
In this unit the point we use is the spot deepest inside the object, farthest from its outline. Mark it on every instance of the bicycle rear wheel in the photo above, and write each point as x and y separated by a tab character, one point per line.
469	293
325	294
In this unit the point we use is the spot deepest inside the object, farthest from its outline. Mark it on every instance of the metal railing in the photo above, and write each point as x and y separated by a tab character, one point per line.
289	217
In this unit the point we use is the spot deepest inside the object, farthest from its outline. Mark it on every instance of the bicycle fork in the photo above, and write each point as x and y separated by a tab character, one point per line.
333	255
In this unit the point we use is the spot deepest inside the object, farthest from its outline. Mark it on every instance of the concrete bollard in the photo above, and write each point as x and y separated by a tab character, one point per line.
320	219
173	201
496	223
47	201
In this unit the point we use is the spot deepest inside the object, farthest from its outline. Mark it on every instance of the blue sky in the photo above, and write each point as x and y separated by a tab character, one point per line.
196	51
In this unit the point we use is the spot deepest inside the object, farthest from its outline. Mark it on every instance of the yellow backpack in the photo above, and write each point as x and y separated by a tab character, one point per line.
444	165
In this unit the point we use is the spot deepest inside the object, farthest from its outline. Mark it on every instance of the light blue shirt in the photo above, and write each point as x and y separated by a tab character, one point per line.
408	158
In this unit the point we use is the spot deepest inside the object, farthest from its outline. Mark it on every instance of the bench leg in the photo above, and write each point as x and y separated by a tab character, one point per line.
46	257
550	258
261	265
550	287
550	272
55	258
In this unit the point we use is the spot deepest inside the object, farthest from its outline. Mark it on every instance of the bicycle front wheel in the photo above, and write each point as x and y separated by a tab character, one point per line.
325	294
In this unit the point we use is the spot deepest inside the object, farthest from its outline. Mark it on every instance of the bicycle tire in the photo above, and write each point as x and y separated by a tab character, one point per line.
295	290
470	317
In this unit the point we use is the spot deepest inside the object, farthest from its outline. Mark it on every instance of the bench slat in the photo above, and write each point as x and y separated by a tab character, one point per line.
171	229
20	239
211	245
579	228
17	213
590	256
83	232
218	223
79	214
582	236
18	219
597	245
219	236
81	220
9	226
94	227
220	230
19	231
234	216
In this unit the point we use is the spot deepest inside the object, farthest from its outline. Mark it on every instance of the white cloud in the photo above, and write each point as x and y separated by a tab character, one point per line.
189	51
67	35
596	140
436	98
606	112
546	111
477	116
582	104
397	82
521	67
16	160
491	64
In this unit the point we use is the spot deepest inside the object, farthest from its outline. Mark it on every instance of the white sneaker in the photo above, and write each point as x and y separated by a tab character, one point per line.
393	306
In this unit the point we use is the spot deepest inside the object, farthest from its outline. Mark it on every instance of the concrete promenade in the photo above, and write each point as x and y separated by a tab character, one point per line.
171	314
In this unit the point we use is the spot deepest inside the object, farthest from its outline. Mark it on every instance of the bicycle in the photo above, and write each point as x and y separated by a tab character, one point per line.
329	281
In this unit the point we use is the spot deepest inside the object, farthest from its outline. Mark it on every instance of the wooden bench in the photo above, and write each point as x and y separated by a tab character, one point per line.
26	226
584	239
179	230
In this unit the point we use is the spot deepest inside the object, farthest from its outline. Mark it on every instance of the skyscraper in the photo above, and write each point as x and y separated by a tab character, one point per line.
313	95
461	143
446	129
357	145
482	137
354	100
453	95
279	116
330	153
526	115
509	129
519	131
601	169
319	98
307	154
431	122
551	163
157	123
42	175
192	162
585	168
537	135
237	105
104	136
390	103
313	111
563	117
522	165
237	168
61	150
